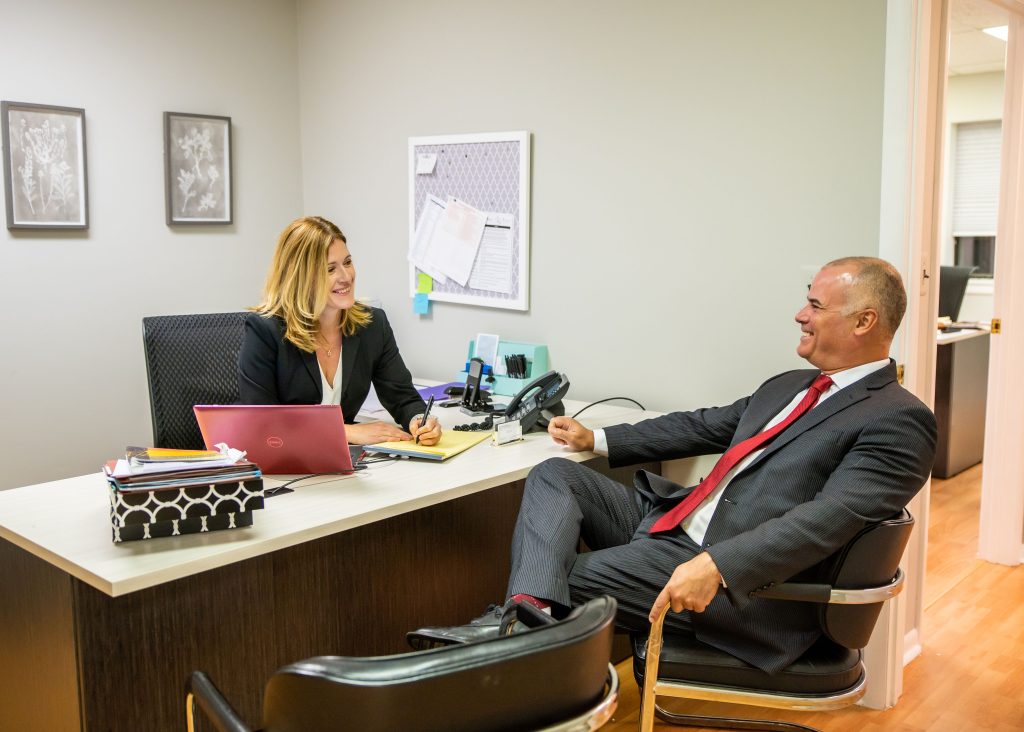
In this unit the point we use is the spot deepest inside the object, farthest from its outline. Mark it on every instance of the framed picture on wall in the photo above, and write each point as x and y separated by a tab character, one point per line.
197	168
44	166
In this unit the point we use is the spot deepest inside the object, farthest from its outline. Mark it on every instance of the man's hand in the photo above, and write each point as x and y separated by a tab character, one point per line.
368	433
691	587
429	434
567	431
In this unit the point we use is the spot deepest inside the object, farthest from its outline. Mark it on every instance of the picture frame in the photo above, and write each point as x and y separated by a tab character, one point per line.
197	169
45	174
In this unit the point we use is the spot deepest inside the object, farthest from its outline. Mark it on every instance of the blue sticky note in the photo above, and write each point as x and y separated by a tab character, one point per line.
421	303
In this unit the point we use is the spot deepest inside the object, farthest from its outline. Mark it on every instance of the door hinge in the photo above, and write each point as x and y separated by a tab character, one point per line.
997	325
899	373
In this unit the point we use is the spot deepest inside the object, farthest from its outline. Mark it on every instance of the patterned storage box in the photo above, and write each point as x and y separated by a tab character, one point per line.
191	510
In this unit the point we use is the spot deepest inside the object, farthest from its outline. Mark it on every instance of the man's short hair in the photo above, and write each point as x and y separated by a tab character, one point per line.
876	284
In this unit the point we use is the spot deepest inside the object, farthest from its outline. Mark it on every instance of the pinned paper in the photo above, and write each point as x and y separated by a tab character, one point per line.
456	240
419	247
424	283
421	303
425	163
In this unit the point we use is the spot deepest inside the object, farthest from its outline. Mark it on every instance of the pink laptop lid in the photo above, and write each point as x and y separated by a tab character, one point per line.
280	438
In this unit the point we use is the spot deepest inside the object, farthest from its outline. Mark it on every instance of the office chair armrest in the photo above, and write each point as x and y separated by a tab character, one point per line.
212	702
809	592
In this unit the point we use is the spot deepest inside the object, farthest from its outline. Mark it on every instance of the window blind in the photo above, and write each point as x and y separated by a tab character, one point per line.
976	178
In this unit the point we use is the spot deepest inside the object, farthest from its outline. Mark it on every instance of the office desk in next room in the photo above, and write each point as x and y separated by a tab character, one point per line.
98	636
961	388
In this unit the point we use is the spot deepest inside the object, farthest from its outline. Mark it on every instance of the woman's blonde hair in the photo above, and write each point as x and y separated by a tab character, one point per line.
297	283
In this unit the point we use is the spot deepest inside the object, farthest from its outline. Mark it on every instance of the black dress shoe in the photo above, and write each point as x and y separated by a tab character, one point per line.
497	621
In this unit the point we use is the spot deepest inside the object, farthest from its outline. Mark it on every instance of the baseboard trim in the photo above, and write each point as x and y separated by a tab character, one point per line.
911	646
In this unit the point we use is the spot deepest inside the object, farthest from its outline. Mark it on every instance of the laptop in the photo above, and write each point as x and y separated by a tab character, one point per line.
290	439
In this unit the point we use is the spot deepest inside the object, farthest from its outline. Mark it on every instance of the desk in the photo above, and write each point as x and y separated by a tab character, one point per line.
961	388
98	636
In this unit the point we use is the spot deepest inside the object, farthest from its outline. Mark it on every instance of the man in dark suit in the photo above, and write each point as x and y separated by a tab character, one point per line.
822	458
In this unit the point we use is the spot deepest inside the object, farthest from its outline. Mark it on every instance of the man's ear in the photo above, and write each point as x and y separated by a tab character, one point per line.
866	321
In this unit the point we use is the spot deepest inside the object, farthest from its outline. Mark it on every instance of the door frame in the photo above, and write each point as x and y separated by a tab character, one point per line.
1001	520
913	121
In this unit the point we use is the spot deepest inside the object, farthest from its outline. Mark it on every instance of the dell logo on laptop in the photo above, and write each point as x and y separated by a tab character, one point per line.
275	442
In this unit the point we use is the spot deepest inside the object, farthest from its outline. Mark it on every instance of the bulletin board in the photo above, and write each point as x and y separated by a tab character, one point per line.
491	173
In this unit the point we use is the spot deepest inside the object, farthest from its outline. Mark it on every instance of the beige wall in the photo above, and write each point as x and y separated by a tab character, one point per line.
72	372
693	164
974	98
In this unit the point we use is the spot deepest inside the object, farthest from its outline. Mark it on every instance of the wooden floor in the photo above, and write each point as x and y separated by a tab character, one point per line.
970	675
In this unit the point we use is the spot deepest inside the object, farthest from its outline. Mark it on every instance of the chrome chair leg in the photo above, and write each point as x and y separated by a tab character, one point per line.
696	720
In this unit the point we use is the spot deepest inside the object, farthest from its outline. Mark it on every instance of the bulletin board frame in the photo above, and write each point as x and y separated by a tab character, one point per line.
491	172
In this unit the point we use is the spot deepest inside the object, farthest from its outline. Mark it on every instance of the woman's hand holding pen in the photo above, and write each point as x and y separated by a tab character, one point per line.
429	433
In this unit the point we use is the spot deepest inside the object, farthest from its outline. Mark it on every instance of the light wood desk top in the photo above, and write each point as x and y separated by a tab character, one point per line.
943	337
67	523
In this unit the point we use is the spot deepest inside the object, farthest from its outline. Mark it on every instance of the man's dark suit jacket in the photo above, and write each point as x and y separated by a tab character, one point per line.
856	458
272	370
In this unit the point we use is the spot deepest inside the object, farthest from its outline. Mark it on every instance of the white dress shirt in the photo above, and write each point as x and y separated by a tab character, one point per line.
696	524
332	394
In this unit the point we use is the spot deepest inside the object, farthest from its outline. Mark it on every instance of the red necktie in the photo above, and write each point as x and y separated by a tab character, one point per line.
735	454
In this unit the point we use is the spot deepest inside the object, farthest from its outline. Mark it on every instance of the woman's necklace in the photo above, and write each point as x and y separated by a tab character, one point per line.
327	346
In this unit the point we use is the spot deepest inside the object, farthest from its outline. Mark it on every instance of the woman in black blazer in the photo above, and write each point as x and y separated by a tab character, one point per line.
310	342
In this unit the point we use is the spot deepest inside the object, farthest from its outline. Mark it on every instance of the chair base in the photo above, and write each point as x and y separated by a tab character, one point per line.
698	692
598	715
698	720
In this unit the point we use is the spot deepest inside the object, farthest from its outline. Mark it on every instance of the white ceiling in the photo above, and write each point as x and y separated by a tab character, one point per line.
970	50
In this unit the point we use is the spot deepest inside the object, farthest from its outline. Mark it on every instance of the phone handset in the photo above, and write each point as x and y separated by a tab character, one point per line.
543	393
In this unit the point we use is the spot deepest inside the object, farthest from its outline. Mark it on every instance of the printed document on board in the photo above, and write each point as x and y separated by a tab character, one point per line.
493	268
420	244
456	239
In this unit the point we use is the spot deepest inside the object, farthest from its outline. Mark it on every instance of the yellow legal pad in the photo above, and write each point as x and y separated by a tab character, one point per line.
452	443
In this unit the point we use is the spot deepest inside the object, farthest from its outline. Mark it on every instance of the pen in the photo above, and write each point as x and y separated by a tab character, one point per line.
426	413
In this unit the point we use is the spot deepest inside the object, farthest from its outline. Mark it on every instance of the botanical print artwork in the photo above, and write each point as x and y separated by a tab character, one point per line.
46	166
198	167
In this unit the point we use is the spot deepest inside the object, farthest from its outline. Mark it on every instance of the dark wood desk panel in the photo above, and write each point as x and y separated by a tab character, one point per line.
74	658
352	593
961	389
38	672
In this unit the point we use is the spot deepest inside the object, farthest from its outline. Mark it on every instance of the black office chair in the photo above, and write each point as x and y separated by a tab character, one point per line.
555	677
190	359
855	582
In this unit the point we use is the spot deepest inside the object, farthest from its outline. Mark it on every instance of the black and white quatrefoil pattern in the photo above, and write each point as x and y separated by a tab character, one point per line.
194	509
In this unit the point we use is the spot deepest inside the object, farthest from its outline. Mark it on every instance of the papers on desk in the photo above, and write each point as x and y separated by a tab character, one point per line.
455	241
130	475
140	461
451	444
154	496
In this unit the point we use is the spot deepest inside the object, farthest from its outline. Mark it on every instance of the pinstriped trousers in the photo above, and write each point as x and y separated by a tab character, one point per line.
564	502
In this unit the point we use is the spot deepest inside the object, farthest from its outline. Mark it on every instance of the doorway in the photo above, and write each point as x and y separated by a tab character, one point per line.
1001	521
969	208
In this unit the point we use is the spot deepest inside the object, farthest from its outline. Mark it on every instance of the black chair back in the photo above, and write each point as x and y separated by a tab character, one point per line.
190	359
526	681
870	559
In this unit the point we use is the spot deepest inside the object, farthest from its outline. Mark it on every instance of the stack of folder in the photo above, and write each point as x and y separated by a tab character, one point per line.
156	492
